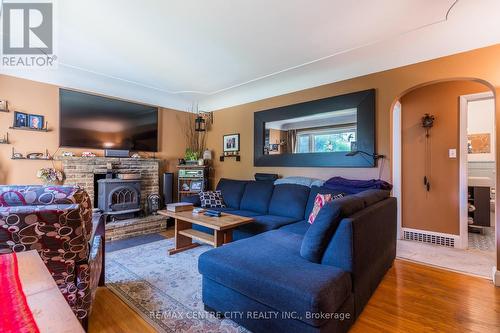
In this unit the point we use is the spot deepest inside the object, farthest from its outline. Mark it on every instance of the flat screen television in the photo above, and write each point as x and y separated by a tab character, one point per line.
90	121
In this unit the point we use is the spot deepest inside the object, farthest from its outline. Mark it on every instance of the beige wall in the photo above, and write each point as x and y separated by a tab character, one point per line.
438	209
39	98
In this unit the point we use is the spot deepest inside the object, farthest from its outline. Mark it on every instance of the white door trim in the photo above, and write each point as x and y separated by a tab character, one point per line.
396	163
463	166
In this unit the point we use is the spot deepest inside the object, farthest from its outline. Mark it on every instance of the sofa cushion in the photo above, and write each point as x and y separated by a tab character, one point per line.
223	209
256	196
319	202
305	181
371	197
321	231
298	228
232	191
264	223
211	199
350	205
283	281
289	200
241	212
315	190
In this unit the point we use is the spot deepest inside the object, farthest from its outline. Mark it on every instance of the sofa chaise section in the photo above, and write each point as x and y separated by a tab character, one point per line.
267	272
283	281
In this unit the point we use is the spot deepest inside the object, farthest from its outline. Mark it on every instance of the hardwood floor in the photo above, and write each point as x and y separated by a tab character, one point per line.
418	298
111	315
411	298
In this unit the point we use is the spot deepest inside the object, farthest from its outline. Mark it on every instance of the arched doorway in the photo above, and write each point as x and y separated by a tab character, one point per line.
435	215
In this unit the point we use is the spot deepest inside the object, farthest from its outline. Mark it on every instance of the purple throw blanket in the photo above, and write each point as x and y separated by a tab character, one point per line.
353	186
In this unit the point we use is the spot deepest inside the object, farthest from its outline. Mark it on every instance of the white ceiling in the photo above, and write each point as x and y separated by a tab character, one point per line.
221	53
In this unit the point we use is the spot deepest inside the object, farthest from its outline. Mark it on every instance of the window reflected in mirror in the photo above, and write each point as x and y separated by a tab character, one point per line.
326	132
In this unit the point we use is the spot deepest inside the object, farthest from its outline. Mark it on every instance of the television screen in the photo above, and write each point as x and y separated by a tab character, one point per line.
90	121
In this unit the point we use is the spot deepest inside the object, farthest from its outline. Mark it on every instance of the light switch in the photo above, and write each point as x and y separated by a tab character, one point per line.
452	153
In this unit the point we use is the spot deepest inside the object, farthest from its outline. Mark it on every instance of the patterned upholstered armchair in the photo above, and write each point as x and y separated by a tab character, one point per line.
57	222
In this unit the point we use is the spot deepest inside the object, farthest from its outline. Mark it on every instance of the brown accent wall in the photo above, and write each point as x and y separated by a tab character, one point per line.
481	64
438	209
40	98
390	85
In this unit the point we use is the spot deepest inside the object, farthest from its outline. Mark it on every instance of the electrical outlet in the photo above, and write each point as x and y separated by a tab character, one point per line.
452	153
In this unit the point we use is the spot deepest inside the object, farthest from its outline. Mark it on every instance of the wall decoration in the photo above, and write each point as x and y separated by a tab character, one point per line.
231	142
427	124
479	143
31	156
88	154
296	130
4	107
35	121
20	119
5	139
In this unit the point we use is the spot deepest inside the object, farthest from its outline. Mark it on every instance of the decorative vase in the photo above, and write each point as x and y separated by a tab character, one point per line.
207	155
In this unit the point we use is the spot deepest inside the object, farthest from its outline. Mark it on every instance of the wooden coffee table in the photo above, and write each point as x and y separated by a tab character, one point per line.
184	233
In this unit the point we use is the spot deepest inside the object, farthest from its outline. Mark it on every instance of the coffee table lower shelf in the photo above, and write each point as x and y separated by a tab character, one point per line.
199	236
184	238
222	227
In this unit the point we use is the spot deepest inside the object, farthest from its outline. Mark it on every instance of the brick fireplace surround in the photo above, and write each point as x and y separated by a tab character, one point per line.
82	170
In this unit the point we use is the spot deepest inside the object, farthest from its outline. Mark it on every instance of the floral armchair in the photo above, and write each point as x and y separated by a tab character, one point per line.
57	222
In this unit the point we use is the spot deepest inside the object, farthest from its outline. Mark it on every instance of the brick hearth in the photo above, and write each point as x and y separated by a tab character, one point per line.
81	170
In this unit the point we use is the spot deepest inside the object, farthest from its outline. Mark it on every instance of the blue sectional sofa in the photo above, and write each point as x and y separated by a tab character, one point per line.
263	281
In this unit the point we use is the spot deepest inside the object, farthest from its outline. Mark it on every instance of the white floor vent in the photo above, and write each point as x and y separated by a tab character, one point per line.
424	237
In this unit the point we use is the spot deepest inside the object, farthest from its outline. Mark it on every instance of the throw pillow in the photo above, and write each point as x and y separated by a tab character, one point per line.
319	202
211	199
319	234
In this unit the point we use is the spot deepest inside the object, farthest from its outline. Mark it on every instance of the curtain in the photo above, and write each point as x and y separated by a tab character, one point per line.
291	141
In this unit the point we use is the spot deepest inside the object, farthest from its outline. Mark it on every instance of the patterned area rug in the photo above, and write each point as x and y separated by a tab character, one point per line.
165	290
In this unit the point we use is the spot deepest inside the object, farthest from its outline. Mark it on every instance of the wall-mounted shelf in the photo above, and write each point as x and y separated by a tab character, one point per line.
238	158
30	129
6	111
5	140
32	159
40	157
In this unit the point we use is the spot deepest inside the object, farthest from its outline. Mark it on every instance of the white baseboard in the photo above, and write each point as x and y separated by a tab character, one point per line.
496	277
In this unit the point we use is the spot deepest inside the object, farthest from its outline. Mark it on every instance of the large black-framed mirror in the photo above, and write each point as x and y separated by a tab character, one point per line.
318	133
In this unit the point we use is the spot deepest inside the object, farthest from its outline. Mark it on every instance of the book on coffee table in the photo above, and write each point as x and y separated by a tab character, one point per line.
179	207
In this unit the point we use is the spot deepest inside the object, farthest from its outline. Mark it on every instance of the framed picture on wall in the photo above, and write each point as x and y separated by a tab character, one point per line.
35	121
4	106
231	143
20	119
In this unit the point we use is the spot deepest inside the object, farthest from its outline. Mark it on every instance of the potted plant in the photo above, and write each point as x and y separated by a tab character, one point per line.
191	156
195	141
50	176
